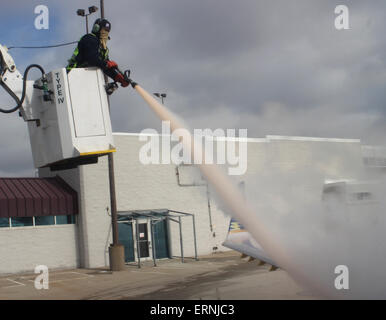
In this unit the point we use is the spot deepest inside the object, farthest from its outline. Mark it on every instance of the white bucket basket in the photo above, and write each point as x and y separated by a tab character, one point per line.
74	127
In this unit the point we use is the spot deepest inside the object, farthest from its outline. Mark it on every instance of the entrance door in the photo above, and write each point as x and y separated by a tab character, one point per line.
161	240
143	240
125	232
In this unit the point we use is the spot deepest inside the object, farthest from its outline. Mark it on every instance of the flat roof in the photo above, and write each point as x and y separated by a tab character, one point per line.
266	139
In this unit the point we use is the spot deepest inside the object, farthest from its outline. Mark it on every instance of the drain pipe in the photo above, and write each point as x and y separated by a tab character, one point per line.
181	244
153	242
209	210
207	196
138	250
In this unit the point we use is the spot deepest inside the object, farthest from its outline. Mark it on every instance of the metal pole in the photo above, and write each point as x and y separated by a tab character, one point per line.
137	237
194	234
113	200
152	242
102	5
181	244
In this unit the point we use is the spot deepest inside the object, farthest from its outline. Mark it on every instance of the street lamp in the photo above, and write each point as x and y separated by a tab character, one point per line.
82	13
160	95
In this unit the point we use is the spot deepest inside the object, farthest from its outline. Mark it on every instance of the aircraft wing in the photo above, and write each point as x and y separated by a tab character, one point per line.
241	240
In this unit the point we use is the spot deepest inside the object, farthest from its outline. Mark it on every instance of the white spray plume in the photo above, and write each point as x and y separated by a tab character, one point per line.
236	203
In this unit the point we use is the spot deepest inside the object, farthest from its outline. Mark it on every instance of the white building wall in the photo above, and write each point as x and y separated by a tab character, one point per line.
335	158
24	248
326	158
143	187
56	246
95	213
93	226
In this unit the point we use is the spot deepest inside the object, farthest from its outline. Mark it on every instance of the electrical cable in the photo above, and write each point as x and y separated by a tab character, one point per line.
19	102
44	47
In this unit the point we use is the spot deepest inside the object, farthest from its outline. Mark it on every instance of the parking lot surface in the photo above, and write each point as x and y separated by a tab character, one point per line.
221	276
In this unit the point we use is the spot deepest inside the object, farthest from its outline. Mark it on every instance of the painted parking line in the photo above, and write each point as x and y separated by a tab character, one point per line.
171	268
18	284
190	266
83	275
155	272
56	277
222	264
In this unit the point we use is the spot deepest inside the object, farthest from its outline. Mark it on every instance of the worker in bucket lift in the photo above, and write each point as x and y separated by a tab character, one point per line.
92	51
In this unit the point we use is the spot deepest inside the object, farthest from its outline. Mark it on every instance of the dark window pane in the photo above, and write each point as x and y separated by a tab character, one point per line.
4	222
65	219
61	219
21	222
44	221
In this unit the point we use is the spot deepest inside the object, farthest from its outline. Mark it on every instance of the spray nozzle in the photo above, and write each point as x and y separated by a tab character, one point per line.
126	74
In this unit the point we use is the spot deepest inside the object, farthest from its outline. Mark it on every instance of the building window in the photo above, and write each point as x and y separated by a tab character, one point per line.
21	222
361	196
375	162
45	221
15	222
374	156
4	222
65	219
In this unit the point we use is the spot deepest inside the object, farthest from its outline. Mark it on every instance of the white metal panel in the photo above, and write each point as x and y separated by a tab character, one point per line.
86	103
77	120
45	138
64	113
100	142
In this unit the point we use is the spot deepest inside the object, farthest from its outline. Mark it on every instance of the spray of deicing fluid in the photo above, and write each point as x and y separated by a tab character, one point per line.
233	199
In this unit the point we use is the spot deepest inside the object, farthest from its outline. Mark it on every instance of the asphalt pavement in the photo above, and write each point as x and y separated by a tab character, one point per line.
220	276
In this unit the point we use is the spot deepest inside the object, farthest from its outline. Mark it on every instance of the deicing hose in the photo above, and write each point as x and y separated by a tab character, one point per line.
19	102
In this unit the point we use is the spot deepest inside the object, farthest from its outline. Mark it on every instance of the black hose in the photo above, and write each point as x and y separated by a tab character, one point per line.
43	47
20	101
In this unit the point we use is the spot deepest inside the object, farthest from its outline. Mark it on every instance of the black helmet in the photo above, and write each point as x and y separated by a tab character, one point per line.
99	24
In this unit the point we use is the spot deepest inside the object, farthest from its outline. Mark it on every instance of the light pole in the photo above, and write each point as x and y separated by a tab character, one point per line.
82	13
116	250
160	95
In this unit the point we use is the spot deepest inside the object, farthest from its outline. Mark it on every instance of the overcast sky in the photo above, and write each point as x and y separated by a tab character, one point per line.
270	66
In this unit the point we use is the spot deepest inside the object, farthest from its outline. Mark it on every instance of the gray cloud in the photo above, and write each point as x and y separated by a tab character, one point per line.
273	67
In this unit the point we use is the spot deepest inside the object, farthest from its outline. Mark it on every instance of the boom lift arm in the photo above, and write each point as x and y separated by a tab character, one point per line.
67	113
14	84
